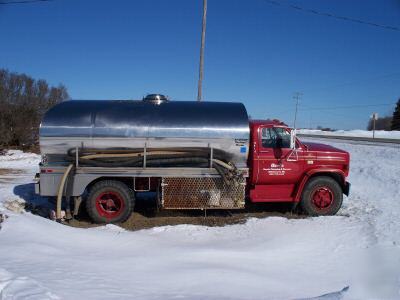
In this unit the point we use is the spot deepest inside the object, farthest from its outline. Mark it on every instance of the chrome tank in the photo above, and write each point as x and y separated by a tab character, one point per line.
104	124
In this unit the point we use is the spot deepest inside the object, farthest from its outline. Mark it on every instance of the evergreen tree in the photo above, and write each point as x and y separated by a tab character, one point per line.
396	117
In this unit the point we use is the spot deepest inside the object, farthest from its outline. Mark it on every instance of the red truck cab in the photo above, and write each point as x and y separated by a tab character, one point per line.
284	169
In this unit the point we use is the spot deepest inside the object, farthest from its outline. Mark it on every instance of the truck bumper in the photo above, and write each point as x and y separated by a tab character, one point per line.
346	188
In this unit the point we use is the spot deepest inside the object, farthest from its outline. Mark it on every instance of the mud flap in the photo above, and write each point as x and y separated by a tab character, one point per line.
346	188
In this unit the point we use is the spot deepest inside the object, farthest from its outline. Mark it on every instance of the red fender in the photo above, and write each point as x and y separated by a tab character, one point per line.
313	172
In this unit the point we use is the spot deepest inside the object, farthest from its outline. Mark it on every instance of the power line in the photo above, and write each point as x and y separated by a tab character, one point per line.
354	82
23	2
344	114
324	14
303	107
348	106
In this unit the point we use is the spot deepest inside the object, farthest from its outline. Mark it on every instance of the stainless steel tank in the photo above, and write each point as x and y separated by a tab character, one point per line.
104	124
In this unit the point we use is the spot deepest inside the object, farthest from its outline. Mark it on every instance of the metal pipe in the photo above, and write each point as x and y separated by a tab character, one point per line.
211	156
77	204
144	155
77	157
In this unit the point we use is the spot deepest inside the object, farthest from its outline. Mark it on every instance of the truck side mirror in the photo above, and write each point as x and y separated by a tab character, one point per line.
293	139
293	155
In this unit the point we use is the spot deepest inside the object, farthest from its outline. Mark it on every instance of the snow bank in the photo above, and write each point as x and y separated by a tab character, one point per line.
17	170
355	133
271	258
14	287
17	159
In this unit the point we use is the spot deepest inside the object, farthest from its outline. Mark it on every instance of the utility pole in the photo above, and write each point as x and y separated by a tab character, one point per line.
296	96
203	38
374	118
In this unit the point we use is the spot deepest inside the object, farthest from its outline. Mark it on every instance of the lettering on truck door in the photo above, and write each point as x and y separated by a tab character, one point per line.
278	169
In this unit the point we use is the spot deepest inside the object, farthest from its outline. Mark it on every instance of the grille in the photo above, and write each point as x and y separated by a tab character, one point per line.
202	193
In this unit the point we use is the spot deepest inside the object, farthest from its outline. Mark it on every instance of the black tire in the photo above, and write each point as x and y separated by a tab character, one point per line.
110	201
322	196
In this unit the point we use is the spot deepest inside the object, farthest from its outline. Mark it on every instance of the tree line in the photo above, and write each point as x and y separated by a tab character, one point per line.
23	101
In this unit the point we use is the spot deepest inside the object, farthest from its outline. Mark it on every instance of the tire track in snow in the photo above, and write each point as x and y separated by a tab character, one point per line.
22	287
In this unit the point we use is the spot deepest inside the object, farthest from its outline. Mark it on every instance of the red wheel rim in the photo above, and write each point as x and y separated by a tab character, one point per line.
322	197
109	204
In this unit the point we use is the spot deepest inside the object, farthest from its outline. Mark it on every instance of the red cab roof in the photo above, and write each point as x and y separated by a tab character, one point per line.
267	122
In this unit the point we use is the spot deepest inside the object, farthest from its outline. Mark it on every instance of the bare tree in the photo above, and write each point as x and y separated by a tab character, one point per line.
23	101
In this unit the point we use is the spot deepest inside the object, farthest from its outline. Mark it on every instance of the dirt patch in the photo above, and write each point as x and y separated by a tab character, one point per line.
3	217
9	175
146	217
16	206
10	171
212	219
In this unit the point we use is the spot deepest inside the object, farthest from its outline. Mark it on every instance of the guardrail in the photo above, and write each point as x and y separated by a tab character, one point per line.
352	138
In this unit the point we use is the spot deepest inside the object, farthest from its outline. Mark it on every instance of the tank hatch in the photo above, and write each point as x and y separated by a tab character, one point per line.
155	98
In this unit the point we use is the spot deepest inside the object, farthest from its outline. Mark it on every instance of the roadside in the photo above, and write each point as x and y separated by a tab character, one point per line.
352	136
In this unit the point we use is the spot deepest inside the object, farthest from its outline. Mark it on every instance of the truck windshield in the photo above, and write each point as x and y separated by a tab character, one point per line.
275	137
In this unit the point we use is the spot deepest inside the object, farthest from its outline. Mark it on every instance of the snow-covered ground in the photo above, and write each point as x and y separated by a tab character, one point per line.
271	258
354	133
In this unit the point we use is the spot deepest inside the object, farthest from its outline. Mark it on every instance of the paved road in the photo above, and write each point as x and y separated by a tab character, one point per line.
352	138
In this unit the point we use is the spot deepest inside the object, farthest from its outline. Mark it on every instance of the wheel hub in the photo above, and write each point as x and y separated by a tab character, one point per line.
322	197
109	204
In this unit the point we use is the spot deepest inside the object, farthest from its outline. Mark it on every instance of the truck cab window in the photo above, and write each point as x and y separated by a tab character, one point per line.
275	137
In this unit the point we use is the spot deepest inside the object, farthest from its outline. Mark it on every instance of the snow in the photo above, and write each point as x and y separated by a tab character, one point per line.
270	258
16	159
354	133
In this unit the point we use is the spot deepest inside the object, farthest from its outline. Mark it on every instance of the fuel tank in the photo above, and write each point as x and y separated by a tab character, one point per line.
106	124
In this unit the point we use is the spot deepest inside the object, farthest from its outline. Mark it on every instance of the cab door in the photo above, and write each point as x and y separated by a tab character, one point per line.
279	166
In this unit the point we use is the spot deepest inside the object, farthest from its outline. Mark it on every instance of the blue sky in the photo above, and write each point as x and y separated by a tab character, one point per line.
256	53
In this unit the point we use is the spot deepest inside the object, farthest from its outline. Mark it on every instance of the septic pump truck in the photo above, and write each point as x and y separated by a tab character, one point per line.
191	155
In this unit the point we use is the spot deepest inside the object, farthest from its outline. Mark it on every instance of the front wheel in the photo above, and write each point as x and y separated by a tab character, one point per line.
110	201
322	196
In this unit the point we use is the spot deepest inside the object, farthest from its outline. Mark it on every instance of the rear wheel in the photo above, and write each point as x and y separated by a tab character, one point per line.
110	201
322	196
